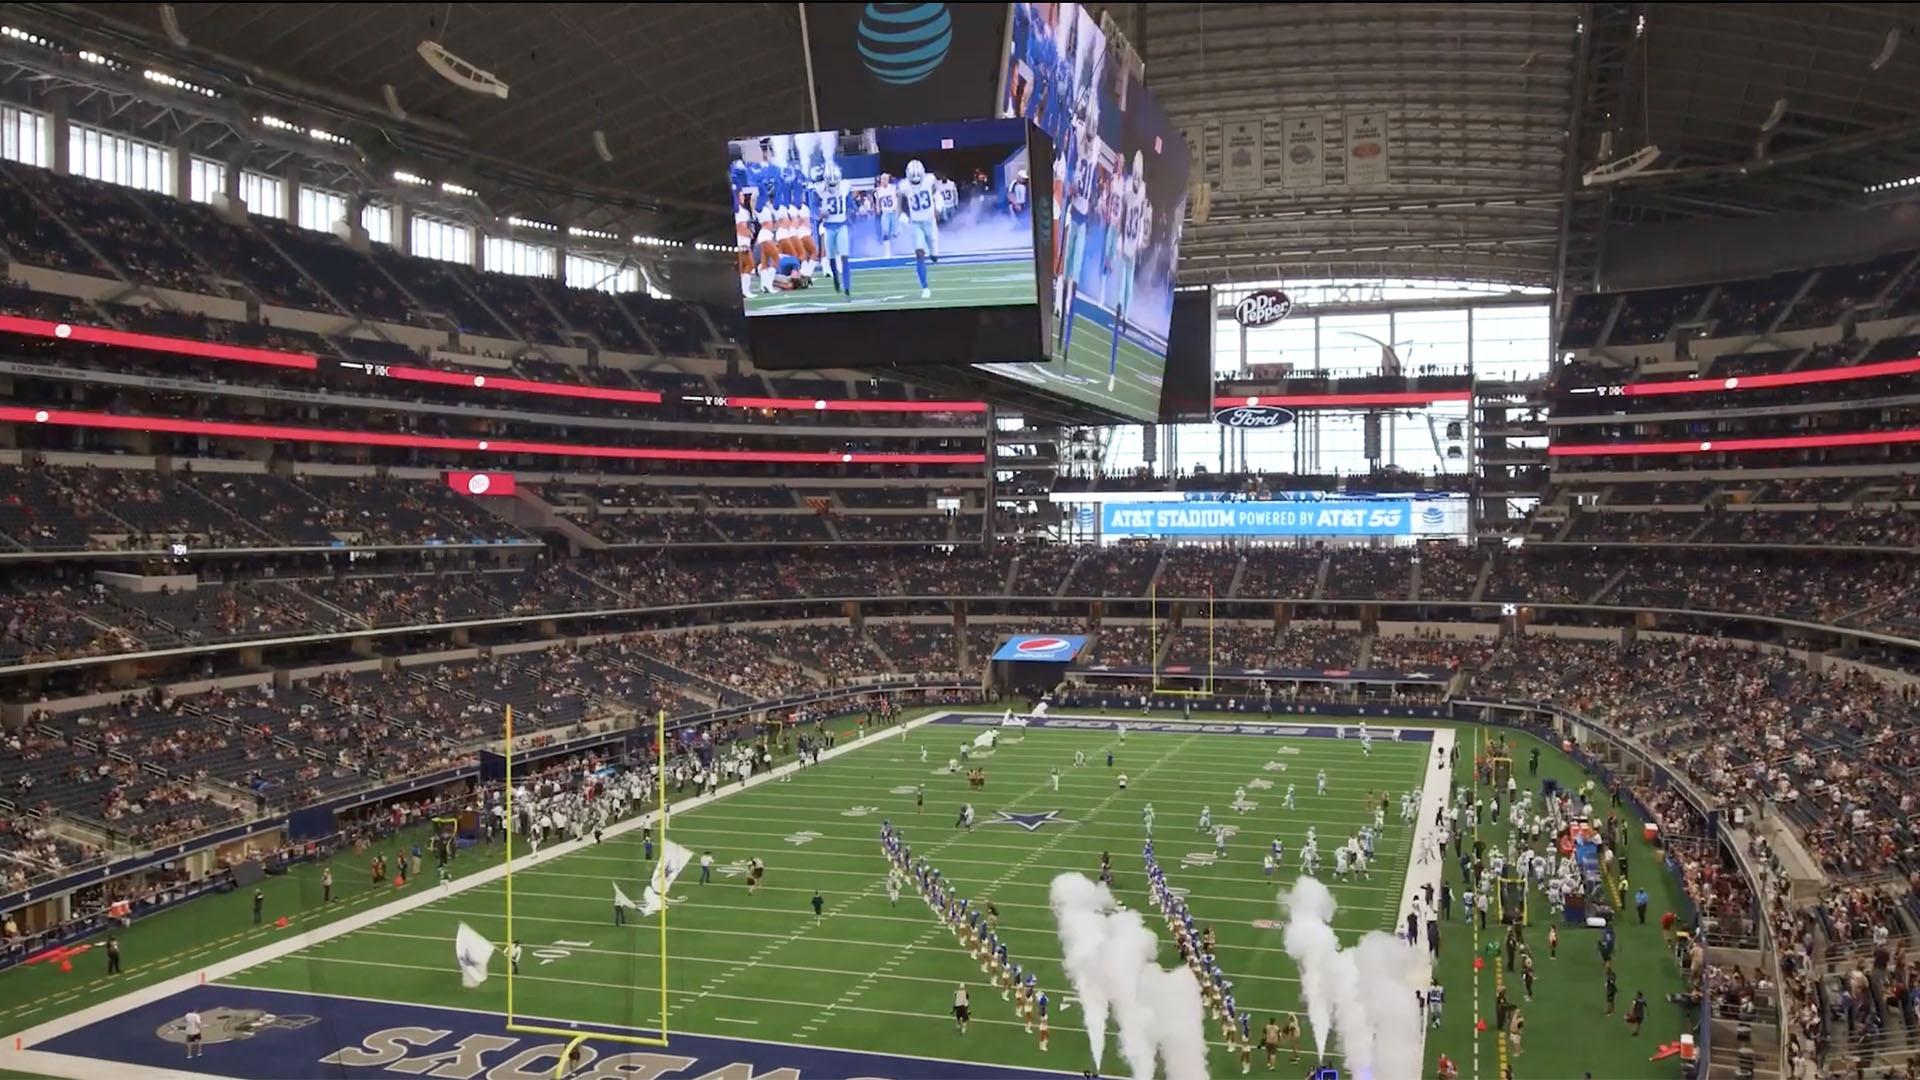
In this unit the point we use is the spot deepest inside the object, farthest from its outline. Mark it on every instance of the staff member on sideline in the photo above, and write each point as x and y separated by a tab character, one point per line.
962	1008
190	1023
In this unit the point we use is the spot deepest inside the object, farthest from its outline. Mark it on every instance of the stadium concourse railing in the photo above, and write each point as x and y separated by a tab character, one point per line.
1575	732
315	831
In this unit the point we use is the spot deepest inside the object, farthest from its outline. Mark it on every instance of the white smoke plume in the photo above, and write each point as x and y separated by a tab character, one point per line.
1363	995
1109	957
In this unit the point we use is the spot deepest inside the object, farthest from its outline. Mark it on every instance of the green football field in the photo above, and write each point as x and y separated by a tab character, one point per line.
870	975
877	977
880	285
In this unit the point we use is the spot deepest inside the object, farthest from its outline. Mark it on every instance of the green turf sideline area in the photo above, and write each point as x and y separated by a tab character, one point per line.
1568	1033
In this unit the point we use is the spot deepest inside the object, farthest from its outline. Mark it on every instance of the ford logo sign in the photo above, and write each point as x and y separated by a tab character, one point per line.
1263	308
1254	416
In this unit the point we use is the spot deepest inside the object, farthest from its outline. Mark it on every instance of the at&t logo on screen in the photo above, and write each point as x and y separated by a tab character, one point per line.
902	44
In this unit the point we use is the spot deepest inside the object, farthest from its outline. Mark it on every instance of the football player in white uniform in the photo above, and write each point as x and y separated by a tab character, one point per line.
921	193
834	229
1136	221
886	207
1086	175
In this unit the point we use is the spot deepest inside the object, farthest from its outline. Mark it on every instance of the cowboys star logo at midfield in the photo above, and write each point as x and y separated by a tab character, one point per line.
1029	822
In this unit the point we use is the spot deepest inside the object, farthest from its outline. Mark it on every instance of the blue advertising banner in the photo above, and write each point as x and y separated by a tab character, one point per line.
1042	648
1325	518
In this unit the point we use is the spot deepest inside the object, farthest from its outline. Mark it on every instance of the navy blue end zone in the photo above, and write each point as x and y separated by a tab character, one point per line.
280	1035
1193	727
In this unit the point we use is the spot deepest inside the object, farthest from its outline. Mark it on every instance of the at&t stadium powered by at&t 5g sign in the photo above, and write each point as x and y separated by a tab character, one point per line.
1333	516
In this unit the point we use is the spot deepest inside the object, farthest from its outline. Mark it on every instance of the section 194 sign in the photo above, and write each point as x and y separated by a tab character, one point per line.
1262	308
1253	416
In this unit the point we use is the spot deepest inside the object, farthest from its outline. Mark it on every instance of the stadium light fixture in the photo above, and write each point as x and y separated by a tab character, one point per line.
322	135
590	234
655	241
26	36
404	177
452	188
529	223
719	249
278	124
101	60
459	72
177	83
1892	185
1620	168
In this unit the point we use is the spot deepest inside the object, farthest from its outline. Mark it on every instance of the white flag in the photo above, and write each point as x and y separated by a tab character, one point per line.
673	859
473	953
622	900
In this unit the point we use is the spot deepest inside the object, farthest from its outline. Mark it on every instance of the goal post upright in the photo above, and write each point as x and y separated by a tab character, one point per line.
574	1035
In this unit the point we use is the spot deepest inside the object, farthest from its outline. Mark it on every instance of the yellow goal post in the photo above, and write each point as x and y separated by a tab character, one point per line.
574	1036
1153	655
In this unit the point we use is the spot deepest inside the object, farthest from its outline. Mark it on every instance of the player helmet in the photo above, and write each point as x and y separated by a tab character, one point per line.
831	175
819	174
1139	163
886	178
916	172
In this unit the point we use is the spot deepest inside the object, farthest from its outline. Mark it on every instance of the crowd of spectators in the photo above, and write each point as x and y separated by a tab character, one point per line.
1283	573
1115	571
836	651
1364	572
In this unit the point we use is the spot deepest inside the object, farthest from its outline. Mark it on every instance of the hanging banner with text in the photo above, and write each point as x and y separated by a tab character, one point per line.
1369	152
1304	157
1243	154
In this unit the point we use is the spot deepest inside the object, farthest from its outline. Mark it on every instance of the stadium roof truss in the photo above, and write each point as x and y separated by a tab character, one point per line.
1496	112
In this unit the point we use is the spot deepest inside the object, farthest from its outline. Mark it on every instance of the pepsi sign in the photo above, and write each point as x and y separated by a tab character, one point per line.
1253	416
1041	648
1262	308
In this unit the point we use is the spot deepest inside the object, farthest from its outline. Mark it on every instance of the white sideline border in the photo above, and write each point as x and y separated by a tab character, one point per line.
82	1068
78	1068
1435	790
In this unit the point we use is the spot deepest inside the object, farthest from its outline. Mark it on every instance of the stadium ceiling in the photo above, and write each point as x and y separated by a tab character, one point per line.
1496	110
667	85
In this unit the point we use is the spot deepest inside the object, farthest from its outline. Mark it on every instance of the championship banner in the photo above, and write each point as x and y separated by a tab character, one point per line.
1304	156
1369	154
1243	154
891	65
